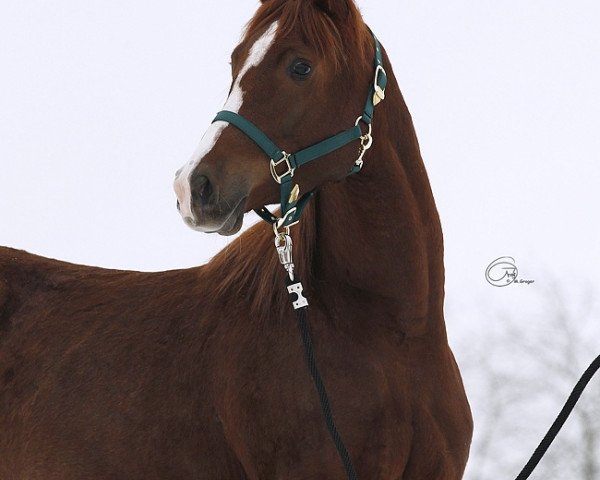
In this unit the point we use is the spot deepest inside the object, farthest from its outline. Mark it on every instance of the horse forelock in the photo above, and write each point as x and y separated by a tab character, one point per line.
344	41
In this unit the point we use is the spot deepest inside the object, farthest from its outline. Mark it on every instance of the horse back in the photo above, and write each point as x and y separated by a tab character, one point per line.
22	275
28	279
96	364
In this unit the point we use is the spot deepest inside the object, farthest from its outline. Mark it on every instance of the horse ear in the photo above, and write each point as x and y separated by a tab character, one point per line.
336	9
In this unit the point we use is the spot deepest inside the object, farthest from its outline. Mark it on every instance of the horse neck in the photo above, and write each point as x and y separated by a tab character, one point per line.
379	239
368	245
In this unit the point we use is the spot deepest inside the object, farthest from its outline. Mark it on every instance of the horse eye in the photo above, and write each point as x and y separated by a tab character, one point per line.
300	69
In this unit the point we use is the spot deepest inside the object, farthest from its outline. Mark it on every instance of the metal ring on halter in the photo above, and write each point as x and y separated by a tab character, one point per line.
280	235
289	169
370	125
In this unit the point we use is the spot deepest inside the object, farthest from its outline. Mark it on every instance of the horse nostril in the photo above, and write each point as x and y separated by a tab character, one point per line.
178	206
201	189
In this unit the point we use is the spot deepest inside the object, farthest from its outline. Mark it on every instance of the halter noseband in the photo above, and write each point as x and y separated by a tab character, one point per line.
292	204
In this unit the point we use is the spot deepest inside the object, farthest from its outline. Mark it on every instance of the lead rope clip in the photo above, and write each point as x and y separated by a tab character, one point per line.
366	141
283	244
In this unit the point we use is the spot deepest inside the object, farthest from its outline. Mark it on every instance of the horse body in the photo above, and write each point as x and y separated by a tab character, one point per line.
111	374
200	373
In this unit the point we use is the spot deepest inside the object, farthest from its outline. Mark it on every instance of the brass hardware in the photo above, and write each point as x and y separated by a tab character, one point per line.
295	193
366	141
289	169
379	95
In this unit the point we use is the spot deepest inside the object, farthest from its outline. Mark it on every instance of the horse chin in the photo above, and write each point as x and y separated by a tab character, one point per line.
229	224
232	225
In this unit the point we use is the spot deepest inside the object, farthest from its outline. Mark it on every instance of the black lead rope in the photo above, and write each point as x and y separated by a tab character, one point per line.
309	352
295	289
540	451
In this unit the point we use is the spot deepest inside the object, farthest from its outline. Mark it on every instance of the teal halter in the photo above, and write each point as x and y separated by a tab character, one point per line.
292	205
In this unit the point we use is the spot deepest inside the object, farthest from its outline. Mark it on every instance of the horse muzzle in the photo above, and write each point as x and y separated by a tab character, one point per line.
203	207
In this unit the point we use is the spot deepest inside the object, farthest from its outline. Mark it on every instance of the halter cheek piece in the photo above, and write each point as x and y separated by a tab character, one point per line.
283	165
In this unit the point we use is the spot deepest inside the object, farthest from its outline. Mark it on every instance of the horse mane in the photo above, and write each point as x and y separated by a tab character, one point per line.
249	267
341	40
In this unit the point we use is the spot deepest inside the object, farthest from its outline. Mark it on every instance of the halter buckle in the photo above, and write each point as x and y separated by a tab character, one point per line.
289	169
379	94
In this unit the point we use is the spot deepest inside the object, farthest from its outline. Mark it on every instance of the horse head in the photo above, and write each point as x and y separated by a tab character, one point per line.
300	74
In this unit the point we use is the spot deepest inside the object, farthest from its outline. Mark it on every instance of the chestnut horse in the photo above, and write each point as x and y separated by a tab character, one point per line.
200	373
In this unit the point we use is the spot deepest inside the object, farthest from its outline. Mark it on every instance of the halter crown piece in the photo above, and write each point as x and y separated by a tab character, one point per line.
283	165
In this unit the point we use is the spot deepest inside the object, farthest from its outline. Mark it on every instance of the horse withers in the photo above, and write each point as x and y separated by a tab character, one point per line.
200	373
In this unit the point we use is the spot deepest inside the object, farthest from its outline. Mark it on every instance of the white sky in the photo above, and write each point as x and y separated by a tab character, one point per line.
102	101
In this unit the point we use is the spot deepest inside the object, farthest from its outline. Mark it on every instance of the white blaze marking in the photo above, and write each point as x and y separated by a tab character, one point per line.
209	139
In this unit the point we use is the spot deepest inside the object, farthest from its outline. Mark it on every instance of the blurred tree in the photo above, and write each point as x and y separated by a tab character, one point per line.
519	369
